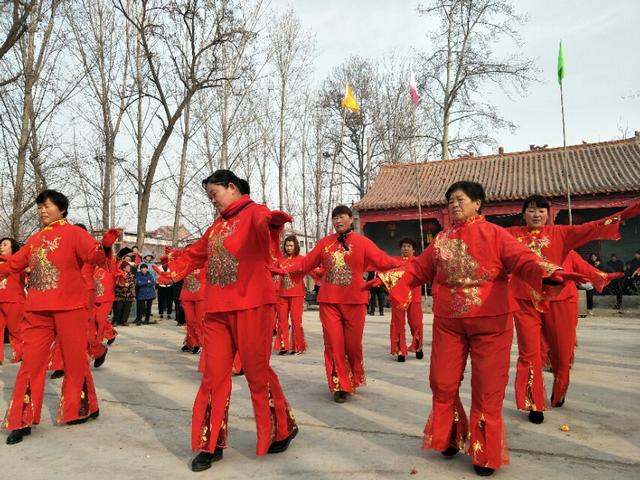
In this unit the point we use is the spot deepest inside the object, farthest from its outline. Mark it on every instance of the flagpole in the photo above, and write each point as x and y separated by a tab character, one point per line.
564	157
561	72
415	170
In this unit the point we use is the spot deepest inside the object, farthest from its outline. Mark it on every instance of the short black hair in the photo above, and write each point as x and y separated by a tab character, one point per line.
537	201
58	199
409	241
473	190
15	246
144	265
224	178
296	245
341	210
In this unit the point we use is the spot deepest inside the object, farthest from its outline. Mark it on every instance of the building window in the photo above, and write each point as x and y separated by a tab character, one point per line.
301	243
310	244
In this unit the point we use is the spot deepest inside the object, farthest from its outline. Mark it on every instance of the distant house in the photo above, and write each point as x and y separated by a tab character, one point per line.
156	240
604	177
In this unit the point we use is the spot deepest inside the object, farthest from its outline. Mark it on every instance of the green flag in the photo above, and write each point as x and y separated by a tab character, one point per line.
560	64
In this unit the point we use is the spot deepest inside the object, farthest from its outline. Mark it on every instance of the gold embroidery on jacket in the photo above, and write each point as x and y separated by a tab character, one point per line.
191	282
460	270
44	275
98	277
339	273
222	268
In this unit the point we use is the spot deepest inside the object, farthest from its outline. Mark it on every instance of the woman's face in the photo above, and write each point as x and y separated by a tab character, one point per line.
535	217
342	223
222	196
49	212
289	247
461	207
126	267
5	247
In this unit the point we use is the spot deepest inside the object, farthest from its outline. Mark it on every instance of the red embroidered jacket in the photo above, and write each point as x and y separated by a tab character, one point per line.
12	288
552	243
104	282
292	284
236	250
194	286
55	256
469	266
343	276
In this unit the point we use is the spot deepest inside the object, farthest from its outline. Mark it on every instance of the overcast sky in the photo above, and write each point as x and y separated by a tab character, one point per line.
601	47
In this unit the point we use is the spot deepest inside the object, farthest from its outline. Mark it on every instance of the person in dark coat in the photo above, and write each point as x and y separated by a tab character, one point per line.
146	293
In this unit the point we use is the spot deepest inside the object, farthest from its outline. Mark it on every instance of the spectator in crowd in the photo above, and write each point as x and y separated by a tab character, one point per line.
125	293
616	265
146	293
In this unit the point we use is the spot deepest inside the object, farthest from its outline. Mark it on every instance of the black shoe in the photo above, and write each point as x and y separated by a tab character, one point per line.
185	348
450	451
57	374
339	396
195	350
560	403
111	340
282	352
534	417
281	445
203	460
137	324
16	435
484	471
240	373
401	358
79	421
419	354
161	316
100	360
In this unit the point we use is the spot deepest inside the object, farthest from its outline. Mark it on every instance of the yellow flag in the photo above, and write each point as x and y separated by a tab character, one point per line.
349	101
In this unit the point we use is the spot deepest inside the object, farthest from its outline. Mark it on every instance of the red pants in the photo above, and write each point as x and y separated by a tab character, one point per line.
78	399
105	329
559	329
558	325
488	340
290	306
397	331
95	348
247	332
194	315
342	329
11	315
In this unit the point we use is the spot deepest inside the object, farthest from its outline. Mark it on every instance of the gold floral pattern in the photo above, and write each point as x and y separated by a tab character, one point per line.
44	275
191	283
222	269
461	273
287	282
98	277
339	273
529	404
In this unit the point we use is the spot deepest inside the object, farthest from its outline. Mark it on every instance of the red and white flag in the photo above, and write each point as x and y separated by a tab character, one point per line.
413	89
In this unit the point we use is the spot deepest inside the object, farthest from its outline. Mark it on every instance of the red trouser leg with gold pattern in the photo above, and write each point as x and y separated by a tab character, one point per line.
414	318
529	384
396	332
559	327
488	341
342	329
247	332
281	340
78	399
11	316
296	307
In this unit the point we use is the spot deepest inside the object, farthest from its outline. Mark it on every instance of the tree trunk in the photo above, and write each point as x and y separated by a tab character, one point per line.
183	163
281	149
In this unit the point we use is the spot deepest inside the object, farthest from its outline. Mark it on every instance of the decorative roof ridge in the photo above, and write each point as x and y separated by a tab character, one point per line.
522	153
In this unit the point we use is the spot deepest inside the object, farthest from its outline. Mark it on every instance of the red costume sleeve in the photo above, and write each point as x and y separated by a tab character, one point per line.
89	249
182	262
575	236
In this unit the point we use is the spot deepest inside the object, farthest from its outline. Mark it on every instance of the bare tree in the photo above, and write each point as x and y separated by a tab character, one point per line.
102	44
463	63
16	28
181	42
34	53
290	53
